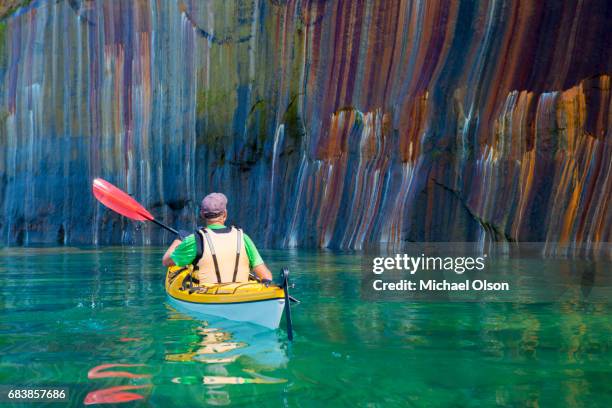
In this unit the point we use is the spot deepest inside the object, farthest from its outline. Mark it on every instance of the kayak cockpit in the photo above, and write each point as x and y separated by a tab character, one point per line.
181	285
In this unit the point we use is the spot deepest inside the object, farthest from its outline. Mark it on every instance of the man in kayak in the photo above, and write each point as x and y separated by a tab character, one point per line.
220	254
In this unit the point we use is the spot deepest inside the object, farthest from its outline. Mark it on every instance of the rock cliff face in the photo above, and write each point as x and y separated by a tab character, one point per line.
327	123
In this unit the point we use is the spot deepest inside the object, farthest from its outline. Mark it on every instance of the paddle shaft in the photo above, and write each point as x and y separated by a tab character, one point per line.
161	224
285	279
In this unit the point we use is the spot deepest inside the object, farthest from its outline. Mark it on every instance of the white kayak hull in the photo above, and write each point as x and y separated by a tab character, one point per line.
266	313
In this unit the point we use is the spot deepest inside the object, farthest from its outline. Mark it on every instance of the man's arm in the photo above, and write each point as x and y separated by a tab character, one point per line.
181	253
262	271
257	264
166	260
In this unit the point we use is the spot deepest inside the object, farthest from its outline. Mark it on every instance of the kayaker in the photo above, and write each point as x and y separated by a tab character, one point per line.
220	254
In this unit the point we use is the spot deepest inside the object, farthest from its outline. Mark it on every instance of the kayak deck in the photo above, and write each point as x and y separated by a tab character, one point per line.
214	293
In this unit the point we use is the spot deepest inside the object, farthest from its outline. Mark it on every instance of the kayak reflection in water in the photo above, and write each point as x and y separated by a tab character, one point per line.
220	254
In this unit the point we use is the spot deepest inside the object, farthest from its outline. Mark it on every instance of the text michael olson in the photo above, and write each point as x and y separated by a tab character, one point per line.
443	285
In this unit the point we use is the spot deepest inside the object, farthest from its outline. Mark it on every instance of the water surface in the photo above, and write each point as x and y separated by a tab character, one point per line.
99	318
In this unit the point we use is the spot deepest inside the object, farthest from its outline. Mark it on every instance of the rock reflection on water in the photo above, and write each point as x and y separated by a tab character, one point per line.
224	346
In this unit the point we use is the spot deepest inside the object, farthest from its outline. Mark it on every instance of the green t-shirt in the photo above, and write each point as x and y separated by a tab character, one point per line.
185	253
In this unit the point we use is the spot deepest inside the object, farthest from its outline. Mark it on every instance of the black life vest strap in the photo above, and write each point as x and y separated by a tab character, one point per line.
213	254
199	249
238	247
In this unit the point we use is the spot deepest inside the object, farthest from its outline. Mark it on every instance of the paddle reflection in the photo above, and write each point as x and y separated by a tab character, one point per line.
116	394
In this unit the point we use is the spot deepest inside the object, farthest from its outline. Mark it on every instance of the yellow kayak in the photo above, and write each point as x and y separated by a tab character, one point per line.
251	301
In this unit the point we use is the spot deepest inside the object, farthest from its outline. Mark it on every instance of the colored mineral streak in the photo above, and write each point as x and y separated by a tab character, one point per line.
327	123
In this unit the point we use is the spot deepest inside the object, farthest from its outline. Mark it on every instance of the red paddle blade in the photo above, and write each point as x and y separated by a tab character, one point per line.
119	201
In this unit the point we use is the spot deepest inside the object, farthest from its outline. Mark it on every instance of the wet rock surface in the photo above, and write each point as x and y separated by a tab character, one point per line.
334	124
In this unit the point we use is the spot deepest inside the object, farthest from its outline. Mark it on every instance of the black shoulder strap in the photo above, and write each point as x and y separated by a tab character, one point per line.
213	254
238	247
199	250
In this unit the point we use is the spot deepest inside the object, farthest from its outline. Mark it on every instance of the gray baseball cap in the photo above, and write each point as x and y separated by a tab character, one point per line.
213	205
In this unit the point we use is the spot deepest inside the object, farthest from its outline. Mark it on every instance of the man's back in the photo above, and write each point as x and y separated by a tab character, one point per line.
235	253
221	254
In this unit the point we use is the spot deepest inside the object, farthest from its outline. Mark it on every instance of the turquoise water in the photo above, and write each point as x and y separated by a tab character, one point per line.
65	312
